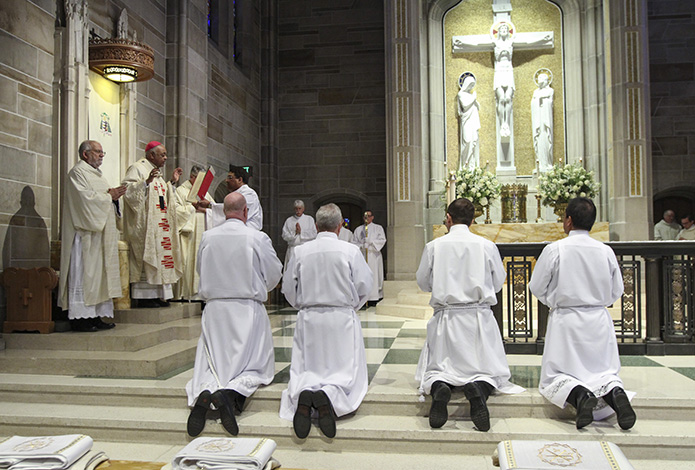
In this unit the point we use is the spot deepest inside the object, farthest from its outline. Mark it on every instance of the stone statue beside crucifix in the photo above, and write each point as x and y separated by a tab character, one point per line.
502	41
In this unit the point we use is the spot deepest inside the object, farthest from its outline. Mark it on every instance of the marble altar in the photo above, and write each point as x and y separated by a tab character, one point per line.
526	233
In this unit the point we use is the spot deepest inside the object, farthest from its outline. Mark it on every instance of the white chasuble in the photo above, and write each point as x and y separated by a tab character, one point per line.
463	271
371	239
89	211
150	227
191	225
237	266
577	277
327	280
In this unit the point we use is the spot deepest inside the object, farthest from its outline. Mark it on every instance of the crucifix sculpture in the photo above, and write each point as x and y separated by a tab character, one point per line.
502	40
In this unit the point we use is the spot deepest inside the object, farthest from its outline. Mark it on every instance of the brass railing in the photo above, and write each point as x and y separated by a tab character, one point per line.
656	314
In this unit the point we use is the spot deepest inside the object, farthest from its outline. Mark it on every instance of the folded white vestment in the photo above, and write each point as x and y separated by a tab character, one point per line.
44	452
541	455
214	453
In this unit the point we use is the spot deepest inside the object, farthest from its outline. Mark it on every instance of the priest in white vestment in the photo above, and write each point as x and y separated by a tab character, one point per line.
151	229
237	180
688	232
191	223
667	228
298	229
464	346
578	277
371	238
327	280
89	272
237	266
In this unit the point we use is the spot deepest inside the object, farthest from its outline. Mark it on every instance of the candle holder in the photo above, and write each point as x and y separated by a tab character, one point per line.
539	219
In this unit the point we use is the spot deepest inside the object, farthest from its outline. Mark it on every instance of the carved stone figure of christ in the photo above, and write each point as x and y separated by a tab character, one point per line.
501	41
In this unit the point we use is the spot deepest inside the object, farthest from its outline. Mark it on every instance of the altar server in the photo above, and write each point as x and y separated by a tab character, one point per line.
298	229
577	277
90	276
151	229
464	346
327	279
371	239
237	266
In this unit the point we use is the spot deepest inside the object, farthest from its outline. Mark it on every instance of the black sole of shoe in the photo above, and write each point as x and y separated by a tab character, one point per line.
585	413
326	415
438	412
480	415
226	414
626	415
196	420
302	416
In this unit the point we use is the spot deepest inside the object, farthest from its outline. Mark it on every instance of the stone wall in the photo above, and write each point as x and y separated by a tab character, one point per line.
26	74
672	77
331	99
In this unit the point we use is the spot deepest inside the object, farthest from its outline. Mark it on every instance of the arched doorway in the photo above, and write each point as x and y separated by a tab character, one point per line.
680	200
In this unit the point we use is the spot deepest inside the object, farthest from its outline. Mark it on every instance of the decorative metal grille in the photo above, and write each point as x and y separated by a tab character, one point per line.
519	305
629	326
678	291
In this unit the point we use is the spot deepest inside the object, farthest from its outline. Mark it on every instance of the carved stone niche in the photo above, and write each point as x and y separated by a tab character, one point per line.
29	299
122	52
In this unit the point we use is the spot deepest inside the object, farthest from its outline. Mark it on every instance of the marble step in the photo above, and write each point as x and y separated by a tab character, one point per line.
151	362
392	307
176	311
125	337
363	432
49	390
414	297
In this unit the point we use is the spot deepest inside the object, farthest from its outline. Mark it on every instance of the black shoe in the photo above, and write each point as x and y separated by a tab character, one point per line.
326	414
441	394
618	400
586	402
162	303
83	325
302	417
221	402
237	400
196	420
102	325
479	413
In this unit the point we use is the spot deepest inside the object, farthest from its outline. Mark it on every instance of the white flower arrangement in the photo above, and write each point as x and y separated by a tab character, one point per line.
477	185
563	183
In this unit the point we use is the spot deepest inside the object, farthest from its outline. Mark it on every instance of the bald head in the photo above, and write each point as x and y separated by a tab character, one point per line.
235	207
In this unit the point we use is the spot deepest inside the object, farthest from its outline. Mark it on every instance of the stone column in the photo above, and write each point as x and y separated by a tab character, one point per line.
629	152
404	134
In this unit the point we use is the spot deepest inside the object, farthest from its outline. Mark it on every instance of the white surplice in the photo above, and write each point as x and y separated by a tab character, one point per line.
89	272
577	277
371	239
294	239
191	225
215	215
151	231
327	280
463	271
665	231
237	266
346	235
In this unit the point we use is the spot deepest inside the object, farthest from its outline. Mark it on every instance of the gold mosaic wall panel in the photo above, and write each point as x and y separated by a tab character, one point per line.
475	17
